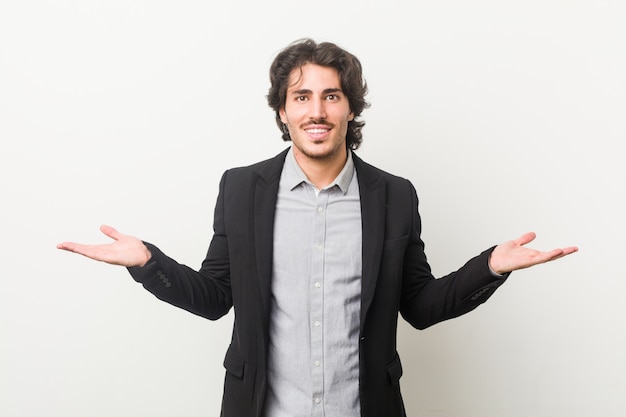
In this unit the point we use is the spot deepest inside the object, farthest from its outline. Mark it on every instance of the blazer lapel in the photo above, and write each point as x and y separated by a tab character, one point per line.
265	181
372	191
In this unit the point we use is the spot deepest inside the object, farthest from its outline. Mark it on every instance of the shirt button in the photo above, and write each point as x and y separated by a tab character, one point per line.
317	285
317	401
317	324
320	209
317	363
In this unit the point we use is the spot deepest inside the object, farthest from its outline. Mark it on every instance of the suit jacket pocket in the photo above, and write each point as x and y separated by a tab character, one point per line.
234	364
392	259
394	370
395	243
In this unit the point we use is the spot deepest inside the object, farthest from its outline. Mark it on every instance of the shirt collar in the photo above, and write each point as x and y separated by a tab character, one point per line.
294	176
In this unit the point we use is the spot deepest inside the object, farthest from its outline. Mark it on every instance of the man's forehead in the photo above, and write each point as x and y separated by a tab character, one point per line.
313	72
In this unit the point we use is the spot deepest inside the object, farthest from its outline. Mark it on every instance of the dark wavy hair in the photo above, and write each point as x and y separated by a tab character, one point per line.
307	51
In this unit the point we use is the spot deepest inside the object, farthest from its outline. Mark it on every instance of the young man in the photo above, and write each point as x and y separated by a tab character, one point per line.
317	252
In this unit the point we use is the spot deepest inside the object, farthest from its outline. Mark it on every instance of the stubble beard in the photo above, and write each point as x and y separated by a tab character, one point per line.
327	155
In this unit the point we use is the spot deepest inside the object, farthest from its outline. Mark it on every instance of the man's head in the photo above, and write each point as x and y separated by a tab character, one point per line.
325	54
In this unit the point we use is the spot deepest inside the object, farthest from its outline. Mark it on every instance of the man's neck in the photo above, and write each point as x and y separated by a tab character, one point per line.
321	171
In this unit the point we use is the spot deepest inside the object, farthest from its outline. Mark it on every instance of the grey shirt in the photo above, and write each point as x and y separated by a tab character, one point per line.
313	360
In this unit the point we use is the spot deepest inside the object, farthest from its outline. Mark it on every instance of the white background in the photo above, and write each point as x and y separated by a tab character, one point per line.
508	116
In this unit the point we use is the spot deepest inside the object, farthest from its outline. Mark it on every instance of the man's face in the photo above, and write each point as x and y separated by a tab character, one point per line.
317	113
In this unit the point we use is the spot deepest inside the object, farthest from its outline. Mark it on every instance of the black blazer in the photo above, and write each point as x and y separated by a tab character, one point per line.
238	268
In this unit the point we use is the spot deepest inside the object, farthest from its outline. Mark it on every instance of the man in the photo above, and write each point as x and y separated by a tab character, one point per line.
317	252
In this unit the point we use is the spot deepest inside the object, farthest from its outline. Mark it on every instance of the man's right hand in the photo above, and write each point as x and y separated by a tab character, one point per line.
125	250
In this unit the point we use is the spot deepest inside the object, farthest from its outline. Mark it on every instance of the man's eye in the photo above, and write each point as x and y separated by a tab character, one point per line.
301	98
331	97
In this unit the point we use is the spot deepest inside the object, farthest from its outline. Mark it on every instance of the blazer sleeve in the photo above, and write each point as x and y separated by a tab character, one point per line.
206	292
427	300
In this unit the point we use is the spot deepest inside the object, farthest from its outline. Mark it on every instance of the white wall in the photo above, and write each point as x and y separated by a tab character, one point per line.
508	116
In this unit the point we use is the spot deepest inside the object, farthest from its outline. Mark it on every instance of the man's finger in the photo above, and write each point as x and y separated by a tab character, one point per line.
110	232
526	238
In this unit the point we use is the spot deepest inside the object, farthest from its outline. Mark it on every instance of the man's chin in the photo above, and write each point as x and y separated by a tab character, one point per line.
321	150
319	154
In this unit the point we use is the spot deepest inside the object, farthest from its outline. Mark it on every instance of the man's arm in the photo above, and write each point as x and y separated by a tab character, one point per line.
205	292
426	300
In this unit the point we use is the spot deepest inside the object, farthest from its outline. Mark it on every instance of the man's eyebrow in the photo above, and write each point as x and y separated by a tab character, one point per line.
326	91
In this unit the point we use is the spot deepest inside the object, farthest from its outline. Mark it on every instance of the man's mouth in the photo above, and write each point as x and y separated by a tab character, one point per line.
317	130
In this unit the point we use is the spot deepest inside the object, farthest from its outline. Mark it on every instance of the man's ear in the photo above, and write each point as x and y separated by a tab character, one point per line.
283	116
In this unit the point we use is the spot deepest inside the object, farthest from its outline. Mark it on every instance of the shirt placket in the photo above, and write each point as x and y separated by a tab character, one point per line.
317	304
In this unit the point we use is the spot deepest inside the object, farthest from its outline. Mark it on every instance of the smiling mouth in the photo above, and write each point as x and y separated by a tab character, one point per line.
317	131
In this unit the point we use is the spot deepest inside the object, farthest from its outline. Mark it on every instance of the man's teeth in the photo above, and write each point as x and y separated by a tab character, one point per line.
317	130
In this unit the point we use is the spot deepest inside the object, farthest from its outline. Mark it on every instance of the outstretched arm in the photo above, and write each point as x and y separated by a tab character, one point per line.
126	250
206	292
512	255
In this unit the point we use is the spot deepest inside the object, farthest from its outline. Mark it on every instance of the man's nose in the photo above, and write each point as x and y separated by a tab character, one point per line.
318	109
